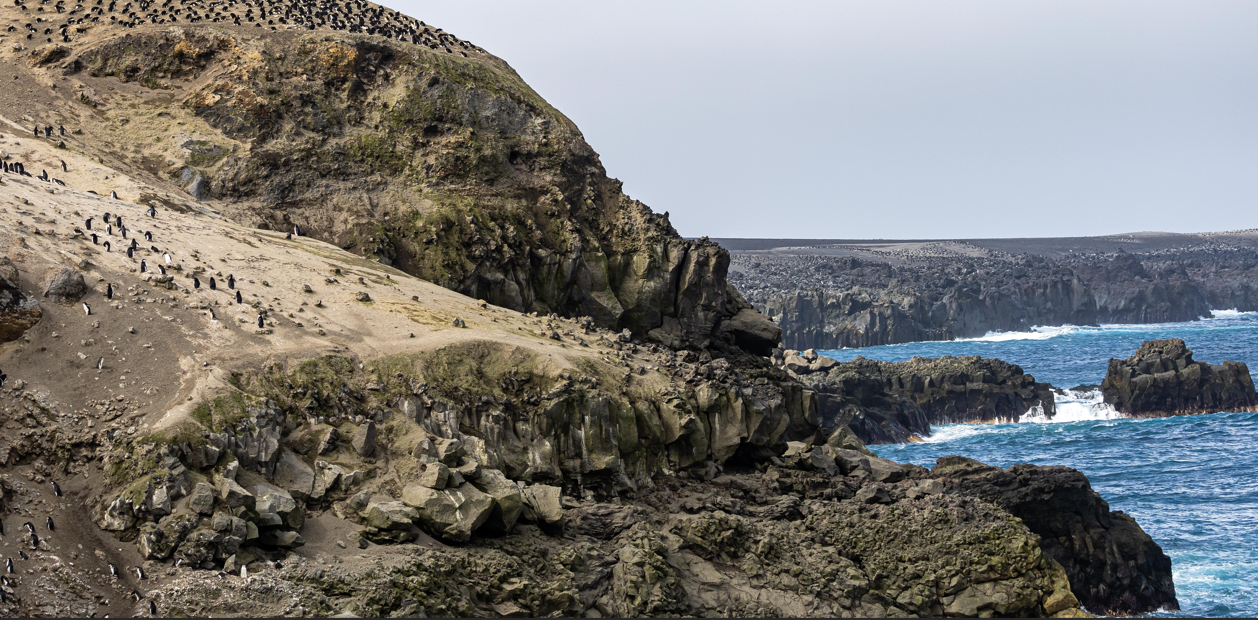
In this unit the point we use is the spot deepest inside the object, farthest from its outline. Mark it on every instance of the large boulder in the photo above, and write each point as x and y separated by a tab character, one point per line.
276	506
508	502
293	475
391	515
1114	567
452	514
753	332
65	286
18	312
543	504
1162	379
201	500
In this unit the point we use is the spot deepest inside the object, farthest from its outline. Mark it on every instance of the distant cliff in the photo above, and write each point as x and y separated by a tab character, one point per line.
827	302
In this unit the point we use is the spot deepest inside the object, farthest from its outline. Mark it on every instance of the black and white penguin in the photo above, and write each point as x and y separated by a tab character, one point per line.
144	265
167	256
148	236
22	554
152	211
107	246
260	323
152	608
109	229
135	246
8	565
87	309
95	239
3	378
63	166
118	220
296	230
122	229
34	540
213	317
105	218
100	364
238	298
88	223
162	269
130	252
30	527
288	237
135	596
213	286
196	283
109	292
113	194
48	522
56	490
139	573
113	570
231	281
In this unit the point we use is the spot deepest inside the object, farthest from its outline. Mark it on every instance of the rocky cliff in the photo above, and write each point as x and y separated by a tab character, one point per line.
1161	378
894	402
446	166
828	302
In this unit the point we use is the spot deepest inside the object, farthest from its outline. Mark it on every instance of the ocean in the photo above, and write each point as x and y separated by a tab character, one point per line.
1190	481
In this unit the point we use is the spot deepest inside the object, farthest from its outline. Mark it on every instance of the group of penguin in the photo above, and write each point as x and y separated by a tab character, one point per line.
19	168
11	569
344	15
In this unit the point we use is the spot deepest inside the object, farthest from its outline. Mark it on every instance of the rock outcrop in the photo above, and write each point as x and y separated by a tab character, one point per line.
1161	379
65	286
1114	567
891	402
18	312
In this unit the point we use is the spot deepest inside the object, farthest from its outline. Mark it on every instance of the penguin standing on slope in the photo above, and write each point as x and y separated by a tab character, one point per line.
196	283
87	309
152	211
109	290
107	246
260	323
113	194
95	239
144	265
238	298
231	281
88	223
213	287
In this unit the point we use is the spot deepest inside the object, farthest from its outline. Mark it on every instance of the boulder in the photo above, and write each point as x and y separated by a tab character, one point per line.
434	475
327	444
1162	379
449	451
65	286
275	506
157	541
753	331
201	500
234	495
326	479
508	502
543	504
119	516
452	514
391	515
293	475
286	539
364	440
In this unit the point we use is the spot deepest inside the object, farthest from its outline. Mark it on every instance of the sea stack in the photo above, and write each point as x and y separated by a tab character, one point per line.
1162	379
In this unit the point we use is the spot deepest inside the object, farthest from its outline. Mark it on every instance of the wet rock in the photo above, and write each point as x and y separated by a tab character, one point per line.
1162	379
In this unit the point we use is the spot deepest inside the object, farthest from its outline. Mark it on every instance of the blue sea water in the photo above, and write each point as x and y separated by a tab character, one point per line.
1190	481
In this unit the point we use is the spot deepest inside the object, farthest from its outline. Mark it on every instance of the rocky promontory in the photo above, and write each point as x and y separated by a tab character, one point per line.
1162	379
892	402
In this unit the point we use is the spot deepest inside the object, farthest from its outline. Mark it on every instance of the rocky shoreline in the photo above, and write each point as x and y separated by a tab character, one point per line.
1162	379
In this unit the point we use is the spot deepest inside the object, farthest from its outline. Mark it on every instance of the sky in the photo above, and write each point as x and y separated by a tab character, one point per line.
895	119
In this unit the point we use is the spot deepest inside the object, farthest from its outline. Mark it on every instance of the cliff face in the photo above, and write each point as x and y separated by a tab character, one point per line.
1161	379
446	166
823	302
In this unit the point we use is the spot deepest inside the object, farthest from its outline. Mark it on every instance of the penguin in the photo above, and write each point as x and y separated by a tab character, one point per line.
162	269
130	252
148	236
135	596
167	255
260	323
244	572
231	281
136	246
88	223
152	608
118	220
63	166
196	283
213	317
87	309
278	565
3	377
139	573
213	287
100	364
122	229
152	211
154	248
8	565
144	265
56	490
107	246
296	230
34	540
238	298
49	523
113	194
58	181
30	527
95	239
288	237
113	570
109	290
62	129
109	229
23	555
106	218
4	581
178	561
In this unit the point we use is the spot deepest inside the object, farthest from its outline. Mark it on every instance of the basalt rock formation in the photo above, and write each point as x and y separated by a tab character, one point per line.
892	402
1162	379
880	297
1077	529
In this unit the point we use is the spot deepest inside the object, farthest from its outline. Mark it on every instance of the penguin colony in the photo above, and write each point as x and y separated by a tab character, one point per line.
63	21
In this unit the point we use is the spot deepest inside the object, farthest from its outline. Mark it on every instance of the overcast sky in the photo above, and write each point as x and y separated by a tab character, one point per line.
887	119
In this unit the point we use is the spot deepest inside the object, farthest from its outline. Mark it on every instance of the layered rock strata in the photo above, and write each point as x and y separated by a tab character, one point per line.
1161	379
